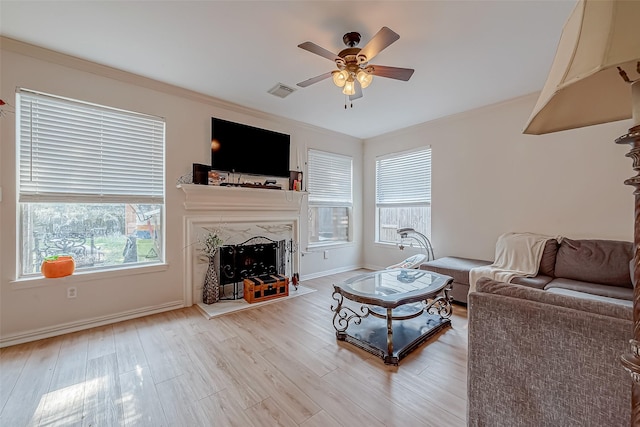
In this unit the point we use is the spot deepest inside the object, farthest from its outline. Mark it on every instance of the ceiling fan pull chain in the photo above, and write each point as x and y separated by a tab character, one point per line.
345	102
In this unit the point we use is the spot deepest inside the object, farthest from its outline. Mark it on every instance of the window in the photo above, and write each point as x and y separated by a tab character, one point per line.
330	199
91	184
403	194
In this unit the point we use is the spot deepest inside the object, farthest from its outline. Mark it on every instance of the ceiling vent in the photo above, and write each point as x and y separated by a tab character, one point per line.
281	91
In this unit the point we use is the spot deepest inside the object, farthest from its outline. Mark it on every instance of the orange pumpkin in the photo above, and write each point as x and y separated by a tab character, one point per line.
57	266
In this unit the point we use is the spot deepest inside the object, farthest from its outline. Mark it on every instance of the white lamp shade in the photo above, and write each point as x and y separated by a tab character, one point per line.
583	87
340	77
349	87
364	78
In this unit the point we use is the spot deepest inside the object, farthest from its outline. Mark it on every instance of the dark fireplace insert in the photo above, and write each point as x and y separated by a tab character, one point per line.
258	256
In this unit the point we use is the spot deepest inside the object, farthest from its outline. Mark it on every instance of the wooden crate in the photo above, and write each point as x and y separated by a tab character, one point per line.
264	288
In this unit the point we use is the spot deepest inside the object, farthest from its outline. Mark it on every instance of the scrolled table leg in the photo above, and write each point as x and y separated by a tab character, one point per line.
342	316
440	305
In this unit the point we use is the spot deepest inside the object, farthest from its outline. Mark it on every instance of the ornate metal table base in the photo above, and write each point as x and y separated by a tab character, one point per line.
373	328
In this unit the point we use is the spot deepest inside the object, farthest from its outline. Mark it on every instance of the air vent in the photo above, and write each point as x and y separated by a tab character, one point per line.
281	91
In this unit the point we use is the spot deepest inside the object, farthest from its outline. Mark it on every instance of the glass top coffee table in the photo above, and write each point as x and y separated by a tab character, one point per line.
401	308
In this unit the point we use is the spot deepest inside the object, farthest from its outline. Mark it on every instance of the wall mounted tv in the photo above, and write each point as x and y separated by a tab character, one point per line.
246	149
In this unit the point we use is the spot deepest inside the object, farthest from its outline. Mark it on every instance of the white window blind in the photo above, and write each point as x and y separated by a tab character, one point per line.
404	179
330	177
76	152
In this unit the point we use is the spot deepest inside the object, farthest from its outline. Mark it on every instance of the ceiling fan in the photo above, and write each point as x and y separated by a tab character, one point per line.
354	71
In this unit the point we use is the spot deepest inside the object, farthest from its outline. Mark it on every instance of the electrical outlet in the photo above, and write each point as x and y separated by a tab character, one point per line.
72	292
326	254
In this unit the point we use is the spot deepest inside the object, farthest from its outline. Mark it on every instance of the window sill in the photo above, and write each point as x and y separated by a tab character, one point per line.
324	247
386	244
85	276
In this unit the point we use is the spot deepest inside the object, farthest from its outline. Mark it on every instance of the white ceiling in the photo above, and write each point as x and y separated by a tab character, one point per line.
466	53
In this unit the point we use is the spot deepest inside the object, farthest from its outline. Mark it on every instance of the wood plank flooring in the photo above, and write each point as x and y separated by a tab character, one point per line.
275	365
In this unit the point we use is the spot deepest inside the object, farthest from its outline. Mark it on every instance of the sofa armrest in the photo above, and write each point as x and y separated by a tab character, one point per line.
540	359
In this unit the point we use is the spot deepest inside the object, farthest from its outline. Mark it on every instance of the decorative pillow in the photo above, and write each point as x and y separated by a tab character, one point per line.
596	261
548	261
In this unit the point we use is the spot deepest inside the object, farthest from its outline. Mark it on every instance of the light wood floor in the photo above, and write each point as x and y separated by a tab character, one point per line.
276	365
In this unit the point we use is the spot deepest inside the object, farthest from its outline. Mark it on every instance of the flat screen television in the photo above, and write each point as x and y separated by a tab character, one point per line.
240	148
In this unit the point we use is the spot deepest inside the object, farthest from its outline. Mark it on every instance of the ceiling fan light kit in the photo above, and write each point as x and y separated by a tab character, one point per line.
354	72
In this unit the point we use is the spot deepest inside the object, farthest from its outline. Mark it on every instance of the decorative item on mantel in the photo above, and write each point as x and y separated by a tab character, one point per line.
187	178
209	245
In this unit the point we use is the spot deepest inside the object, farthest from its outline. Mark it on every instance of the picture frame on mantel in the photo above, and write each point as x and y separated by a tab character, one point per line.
295	180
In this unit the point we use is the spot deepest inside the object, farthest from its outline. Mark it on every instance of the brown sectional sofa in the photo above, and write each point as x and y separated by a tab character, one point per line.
539	356
593	269
539	359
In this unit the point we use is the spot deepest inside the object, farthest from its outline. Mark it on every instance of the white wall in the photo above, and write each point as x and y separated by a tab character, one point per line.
41	307
489	178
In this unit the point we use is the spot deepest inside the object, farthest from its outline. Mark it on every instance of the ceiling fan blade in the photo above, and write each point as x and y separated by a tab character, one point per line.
380	41
314	48
358	89
316	79
391	72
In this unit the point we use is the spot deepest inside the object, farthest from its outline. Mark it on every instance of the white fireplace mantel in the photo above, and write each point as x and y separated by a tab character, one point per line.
213	197
240	213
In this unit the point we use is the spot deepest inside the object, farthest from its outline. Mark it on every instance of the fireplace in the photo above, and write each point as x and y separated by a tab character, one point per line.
243	216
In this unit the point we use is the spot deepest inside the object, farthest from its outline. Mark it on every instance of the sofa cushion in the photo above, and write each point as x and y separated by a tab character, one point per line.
548	260
591	288
538	282
596	261
531	297
576	294
458	268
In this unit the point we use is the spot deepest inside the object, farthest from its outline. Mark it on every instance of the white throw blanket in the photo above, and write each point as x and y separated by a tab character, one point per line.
517	255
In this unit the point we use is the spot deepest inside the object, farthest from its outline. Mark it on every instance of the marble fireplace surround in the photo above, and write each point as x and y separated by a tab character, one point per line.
239	214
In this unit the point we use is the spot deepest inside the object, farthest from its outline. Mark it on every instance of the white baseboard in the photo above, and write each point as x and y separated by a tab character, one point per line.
65	328
329	272
375	267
